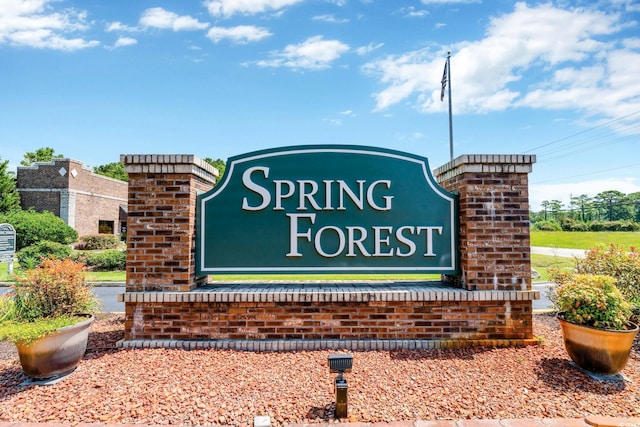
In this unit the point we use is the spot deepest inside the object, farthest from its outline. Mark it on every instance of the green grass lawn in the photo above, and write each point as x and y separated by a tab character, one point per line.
583	240
94	276
543	263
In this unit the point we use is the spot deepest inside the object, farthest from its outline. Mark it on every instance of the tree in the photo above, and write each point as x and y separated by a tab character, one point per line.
556	208
634	199
583	203
45	154
545	205
113	170
615	203
9	196
32	227
218	164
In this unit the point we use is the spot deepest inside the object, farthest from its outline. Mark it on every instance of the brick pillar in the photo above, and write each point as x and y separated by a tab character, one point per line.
494	219
161	220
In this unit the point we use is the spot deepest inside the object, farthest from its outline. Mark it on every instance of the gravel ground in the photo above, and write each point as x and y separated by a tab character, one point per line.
200	387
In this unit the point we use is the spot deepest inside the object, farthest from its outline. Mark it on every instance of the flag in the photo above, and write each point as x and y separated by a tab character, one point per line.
444	82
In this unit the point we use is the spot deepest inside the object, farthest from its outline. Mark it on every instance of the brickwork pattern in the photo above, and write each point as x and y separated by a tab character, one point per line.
494	219
96	197
41	201
161	220
482	321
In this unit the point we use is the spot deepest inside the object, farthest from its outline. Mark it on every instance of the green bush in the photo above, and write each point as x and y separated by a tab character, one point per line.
113	260
99	242
614	226
547	226
56	288
579	226
617	262
570	224
592	300
33	227
32	256
47	298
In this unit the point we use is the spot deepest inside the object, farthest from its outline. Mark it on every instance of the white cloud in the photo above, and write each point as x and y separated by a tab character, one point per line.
241	34
365	50
583	72
330	19
412	12
157	17
119	26
564	192
632	43
228	8
125	41
312	54
32	23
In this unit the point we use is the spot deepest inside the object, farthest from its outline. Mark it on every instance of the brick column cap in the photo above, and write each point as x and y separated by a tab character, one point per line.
485	163
169	163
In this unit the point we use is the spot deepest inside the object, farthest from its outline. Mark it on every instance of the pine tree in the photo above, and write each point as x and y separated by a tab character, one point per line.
9	196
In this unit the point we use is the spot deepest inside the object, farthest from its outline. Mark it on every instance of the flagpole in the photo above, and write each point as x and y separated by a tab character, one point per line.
450	117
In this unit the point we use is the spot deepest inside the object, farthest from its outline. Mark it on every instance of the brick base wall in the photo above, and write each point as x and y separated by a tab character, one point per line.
167	305
399	315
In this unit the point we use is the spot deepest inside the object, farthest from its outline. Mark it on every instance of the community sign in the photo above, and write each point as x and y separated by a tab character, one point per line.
327	209
7	242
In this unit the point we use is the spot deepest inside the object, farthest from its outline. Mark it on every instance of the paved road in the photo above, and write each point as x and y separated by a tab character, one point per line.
567	253
106	294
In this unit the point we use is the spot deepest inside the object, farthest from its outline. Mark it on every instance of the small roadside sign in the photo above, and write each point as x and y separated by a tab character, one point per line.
7	242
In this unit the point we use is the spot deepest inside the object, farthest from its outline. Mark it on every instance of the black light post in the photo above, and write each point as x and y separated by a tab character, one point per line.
340	363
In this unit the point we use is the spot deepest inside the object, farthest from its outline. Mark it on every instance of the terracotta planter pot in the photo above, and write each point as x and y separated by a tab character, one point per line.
56	354
602	351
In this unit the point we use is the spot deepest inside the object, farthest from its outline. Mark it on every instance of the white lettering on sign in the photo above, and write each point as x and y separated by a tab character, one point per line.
351	241
307	192
321	209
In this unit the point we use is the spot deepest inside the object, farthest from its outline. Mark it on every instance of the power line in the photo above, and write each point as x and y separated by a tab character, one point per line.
590	173
583	132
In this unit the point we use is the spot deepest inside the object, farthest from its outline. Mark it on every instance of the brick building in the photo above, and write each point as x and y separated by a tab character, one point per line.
86	201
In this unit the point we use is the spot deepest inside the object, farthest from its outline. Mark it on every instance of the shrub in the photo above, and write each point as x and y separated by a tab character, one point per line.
592	300
614	226
31	256
570	224
106	261
33	227
99	242
56	288
547	226
579	226
7	308
617	262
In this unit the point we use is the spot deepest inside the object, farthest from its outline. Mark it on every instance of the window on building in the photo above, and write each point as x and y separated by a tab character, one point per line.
105	227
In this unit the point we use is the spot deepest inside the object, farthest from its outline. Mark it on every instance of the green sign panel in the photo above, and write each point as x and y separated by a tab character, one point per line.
330	208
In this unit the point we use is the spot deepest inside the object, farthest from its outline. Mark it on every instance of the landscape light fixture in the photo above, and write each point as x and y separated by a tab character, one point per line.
340	363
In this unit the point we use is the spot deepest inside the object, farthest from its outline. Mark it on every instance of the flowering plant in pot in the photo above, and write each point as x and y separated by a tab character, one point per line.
47	314
594	316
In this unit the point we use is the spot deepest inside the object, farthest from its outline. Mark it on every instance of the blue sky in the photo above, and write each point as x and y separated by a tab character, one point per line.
98	78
